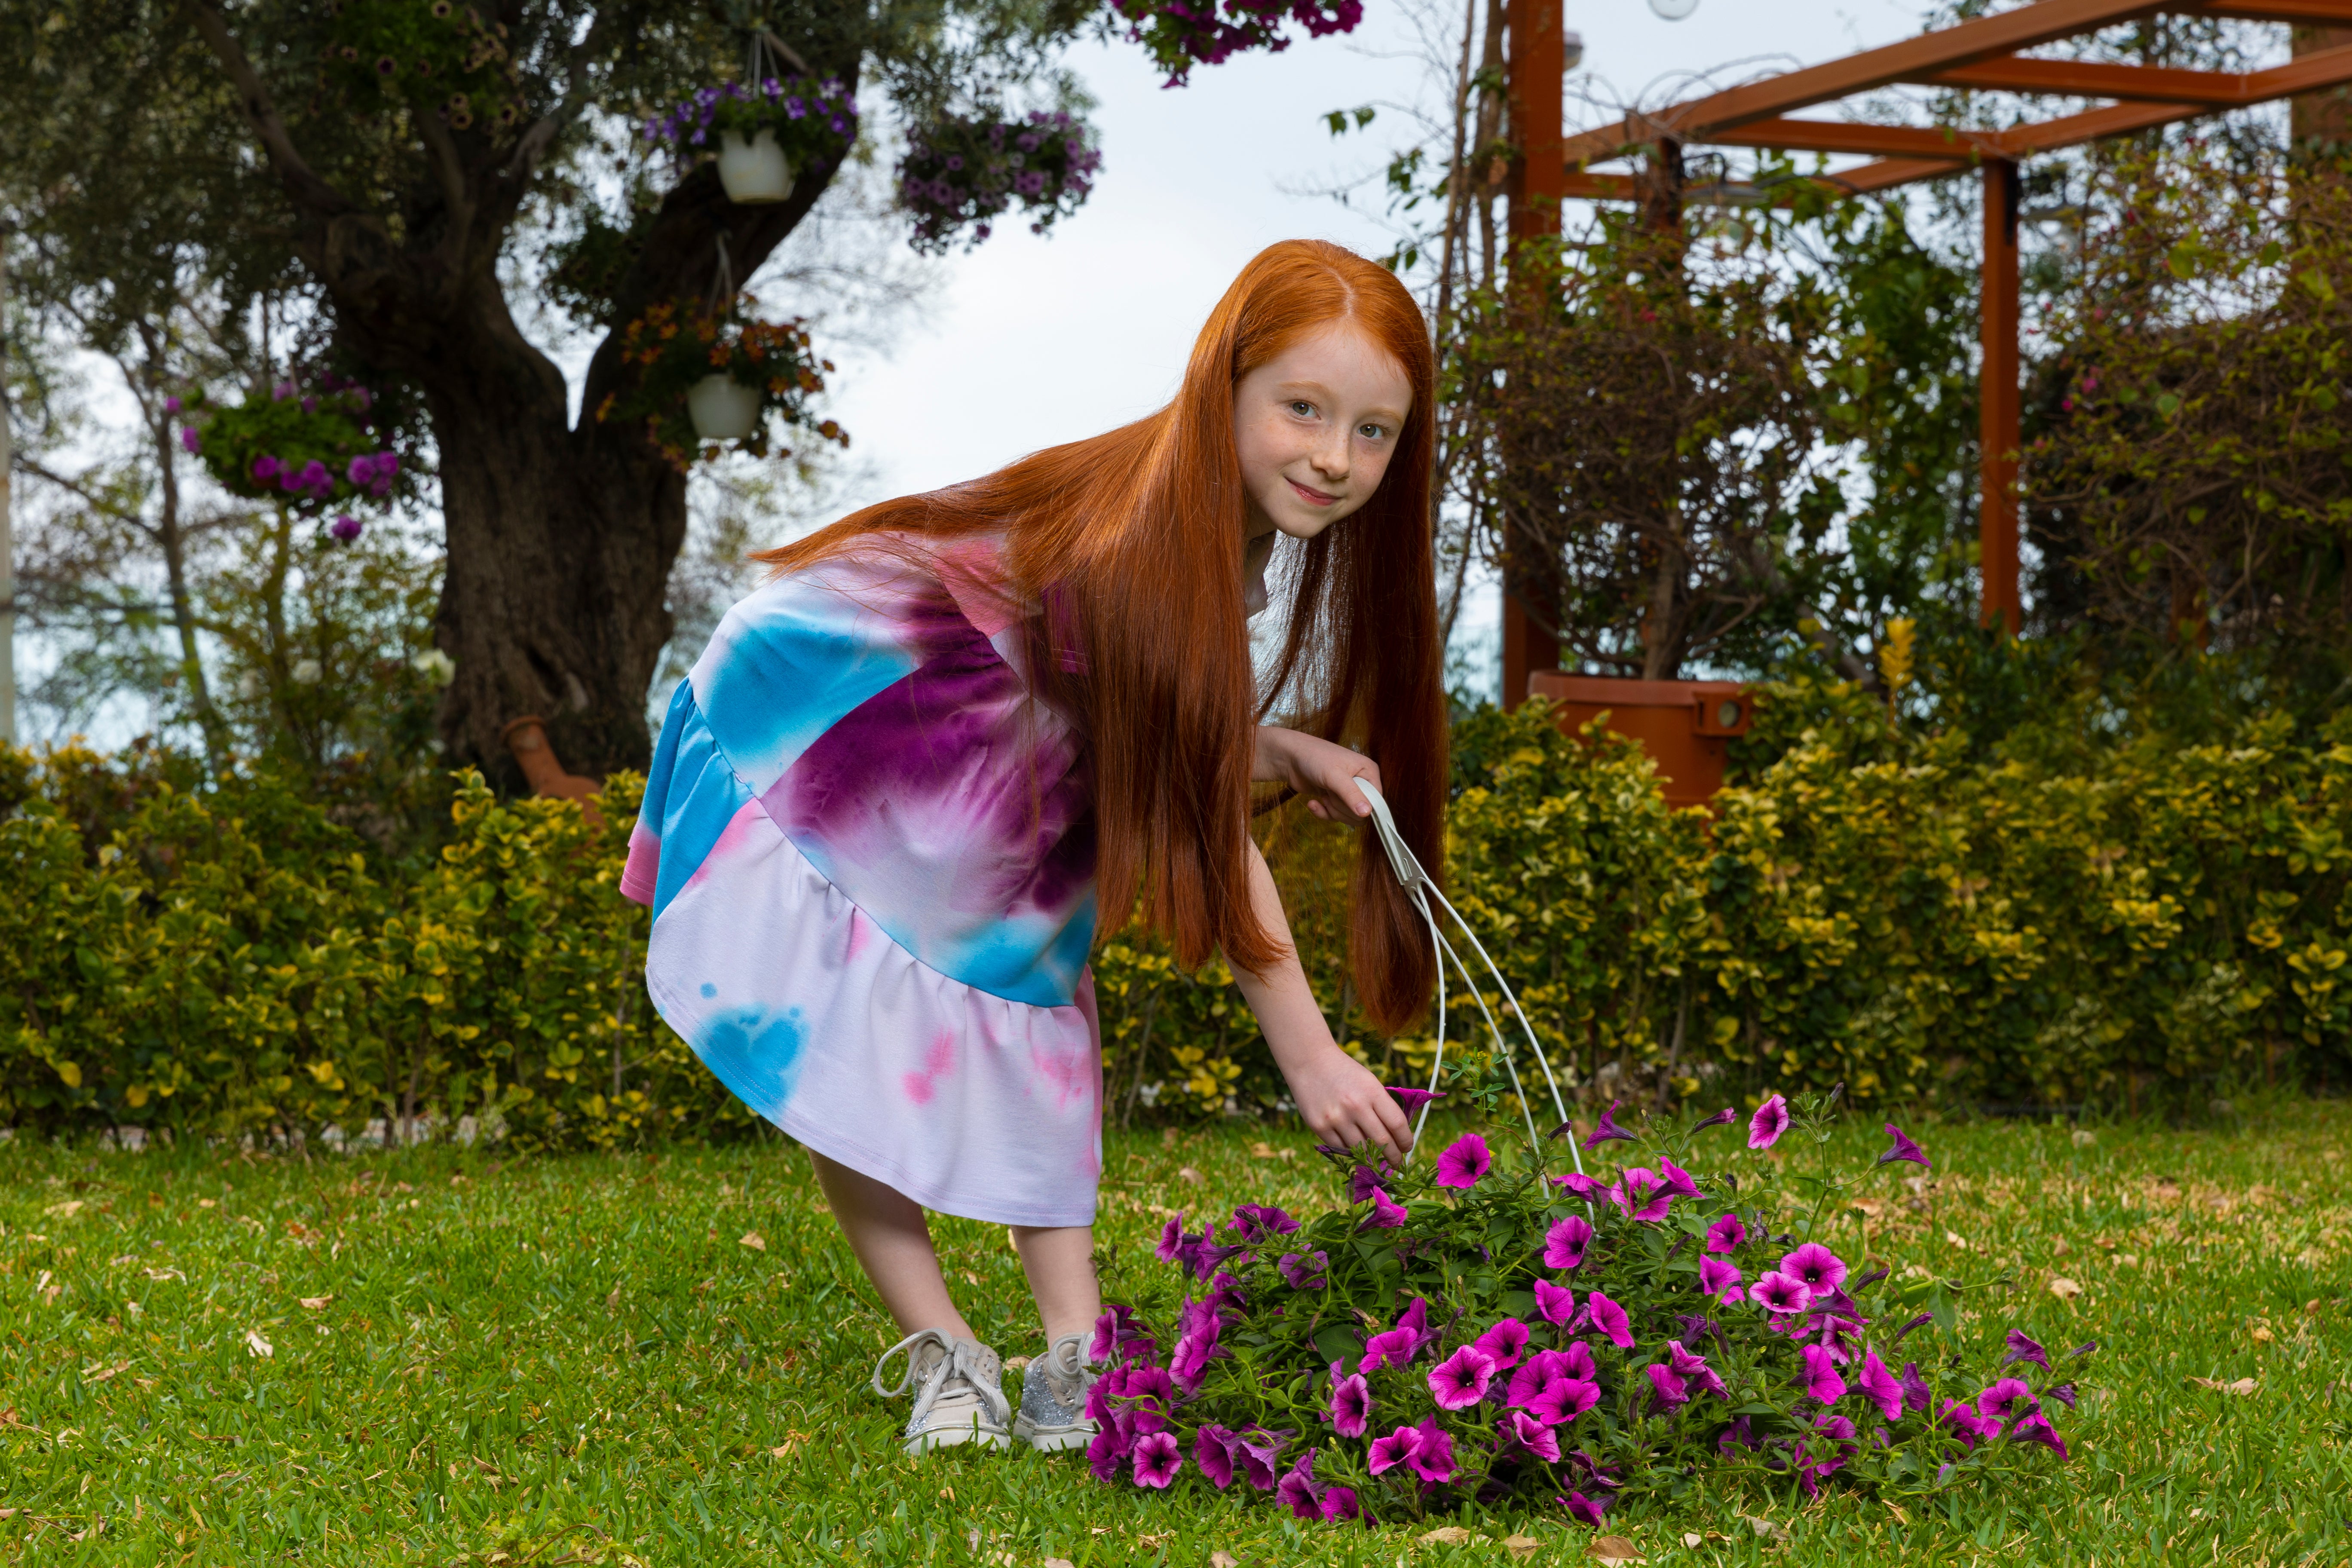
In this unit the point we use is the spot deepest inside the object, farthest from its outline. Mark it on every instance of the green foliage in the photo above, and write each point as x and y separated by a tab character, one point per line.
670	348
434	57
315	445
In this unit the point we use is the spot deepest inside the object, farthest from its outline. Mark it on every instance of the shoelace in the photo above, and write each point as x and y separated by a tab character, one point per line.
1064	1363
958	1358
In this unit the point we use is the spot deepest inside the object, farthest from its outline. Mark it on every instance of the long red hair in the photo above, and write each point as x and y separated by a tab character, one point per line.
1132	541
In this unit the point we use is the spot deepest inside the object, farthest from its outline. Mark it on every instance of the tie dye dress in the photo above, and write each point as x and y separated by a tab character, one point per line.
869	853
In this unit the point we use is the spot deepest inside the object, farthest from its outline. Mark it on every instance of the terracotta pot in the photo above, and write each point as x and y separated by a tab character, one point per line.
1682	724
526	739
755	172
722	409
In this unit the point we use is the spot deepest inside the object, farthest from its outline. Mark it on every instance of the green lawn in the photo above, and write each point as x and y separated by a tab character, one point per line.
435	1357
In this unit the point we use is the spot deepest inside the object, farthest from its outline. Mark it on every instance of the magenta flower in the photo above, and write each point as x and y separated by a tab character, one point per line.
1576	1359
1554	1304
1585	1509
1172	1247
2037	1429
1110	1446
1434	1459
1914	1387
1401	1447
1727	1234
1721	1117
1694	1367
1641	1195
1878	1385
1253	1451
1778	1292
171	403
1720	1280
1414	1099
266	468
1156	1459
1921	1322
2008	1398
1671	1392
1903	1149
1606	1130
1298	1487
1771	1120
1678	1181
1395	1347
1820	1270
1822	1380
1258	1221
360	472
1582	1186
1609	1318
1340	1504
1364	1181
1971	1428
1460	1380
345	527
1563	1400
1387	1213
1565	1242
1305	1271
2022	1348
1352	1404
2064	1394
1213	1451
1196	1345
1532	1435
1464	1162
1504	1344
190	440
1541	1371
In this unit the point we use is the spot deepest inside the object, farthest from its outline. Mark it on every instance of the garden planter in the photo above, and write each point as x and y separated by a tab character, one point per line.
722	409
526	738
1684	725
755	173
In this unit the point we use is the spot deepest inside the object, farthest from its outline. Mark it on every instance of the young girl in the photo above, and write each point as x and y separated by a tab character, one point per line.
907	773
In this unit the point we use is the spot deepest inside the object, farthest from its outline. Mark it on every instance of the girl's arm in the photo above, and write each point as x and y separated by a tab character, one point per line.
1337	1095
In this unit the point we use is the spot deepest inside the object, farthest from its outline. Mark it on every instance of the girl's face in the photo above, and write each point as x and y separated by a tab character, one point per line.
1315	427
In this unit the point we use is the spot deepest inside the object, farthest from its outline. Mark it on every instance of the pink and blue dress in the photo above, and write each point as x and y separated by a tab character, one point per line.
869	852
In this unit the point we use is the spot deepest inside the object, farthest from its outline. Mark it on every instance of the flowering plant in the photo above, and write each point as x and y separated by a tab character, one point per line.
813	121
435	55
963	172
672	347
1466	1329
306	446
1179	36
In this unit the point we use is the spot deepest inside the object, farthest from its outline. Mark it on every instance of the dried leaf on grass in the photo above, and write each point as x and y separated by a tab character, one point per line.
1445	1535
1189	1176
256	1345
1521	1546
1222	1559
1615	1549
315	1303
753	1239
2065	1290
1764	1527
2243	1385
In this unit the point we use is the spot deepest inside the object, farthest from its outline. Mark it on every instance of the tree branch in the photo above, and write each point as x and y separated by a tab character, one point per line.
303	182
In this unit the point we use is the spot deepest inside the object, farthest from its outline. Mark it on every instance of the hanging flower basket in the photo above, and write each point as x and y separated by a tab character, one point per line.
960	172
721	375
763	134
755	173
311	445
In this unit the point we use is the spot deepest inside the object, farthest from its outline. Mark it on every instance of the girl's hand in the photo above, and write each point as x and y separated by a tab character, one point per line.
1345	1105
1318	769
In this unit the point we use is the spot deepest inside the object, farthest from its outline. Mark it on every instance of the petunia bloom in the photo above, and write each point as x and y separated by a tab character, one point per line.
1820	1379
1565	1242
1727	1234
1585	1509
1671	1391
1878	1385
1820	1270
2008	1398
1298	1487
1414	1099
1392	1347
1778	1292
1678	1181
1914	1387
1398	1448
1564	1399
1253	1452
1352	1404
1460	1380
1305	1271
1504	1344
1695	1368
1641	1195
2037	1429
1387	1213
1554	1304
1771	1120
1434	1459
2064	1394
1173	1242
1721	1117
1606	1130
1259	1222
1921	1322
1530	1432
1462	1164
1903	1149
2020	1348
1156	1459
1609	1318
1213	1451
1720	1280
1340	1504
1971	1428
1363	1181
1582	1186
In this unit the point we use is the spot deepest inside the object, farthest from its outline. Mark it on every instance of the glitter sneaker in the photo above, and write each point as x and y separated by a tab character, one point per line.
1054	1399
959	1391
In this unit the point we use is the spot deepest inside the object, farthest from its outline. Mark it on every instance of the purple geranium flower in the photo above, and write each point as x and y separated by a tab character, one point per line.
1641	1195
1670	1390
1352	1404
1878	1385
1434	1459
1820	1379
1820	1270
1305	1271
1771	1120
1609	1318
1464	1162
1779	1292
1213	1451
1398	1448
1414	1099
1504	1344
1460	1380
1585	1509
1727	1234
1387	1213
1904	1149
1340	1504
1298	1487
1565	1242
1720	1280
1607	1130
1156	1459
1554	1304
2022	1348
1532	1435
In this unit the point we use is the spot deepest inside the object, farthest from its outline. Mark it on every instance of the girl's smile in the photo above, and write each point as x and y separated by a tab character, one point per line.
1314	429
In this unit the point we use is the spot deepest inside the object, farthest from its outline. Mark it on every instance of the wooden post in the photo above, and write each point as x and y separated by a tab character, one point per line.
1998	399
1534	65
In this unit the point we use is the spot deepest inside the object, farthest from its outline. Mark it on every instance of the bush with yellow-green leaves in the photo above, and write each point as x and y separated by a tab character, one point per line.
218	957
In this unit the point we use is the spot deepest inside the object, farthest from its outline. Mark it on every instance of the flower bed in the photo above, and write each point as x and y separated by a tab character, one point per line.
1460	1330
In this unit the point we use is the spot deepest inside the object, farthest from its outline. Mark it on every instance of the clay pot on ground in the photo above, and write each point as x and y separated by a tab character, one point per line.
1684	725
722	409
526	739
755	172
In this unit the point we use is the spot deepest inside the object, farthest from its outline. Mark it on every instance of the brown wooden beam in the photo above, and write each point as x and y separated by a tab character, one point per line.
2317	12
1998	404
1535	183
1886	173
1851	136
2089	78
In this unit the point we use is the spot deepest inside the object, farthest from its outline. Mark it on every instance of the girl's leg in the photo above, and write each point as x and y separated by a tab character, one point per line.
1060	1263
893	1242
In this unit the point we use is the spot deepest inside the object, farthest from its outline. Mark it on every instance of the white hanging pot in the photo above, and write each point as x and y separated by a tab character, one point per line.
722	409
754	172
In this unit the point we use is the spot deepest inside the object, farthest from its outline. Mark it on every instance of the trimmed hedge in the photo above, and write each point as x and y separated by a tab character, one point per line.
218	957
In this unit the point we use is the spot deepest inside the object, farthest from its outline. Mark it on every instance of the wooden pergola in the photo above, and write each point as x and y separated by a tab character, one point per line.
1988	54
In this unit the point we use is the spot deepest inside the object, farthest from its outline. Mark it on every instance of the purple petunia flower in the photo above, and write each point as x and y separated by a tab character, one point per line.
1565	1242
1582	1186
2022	1348
1820	1379
1878	1385
2064	1394
1585	1509
1531	1434
1720	1119
1778	1292
1340	1504
1971	1428
1213	1451
1504	1344
1678	1181
1464	1162
1253	1452
1305	1271
1174	1245
1434	1459
1156	1459
266	468
345	527
1538	1372
189	440
2008	1398
2085	1348
1460	1380
171	403
1820	1270
1771	1120
1196	1345
1554	1304
1110	1446
1298	1487
2037	1429
1398	1448
1414	1099
1671	1392
1364	1179
1921	1322
1258	1221
1727	1234
1641	1195
1564	1399
1607	1130
1694	1367
1387	1213
1609	1318
1720	1281
1903	1149
1914	1387
1351	1402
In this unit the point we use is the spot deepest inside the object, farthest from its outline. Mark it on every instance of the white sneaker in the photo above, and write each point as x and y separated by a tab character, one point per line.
959	1391
1054	1399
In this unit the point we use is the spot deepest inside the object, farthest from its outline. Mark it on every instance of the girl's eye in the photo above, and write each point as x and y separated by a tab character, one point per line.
1373	432
1303	408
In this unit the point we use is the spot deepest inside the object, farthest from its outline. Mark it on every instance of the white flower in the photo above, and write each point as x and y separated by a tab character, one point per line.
437	668
249	685
307	672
